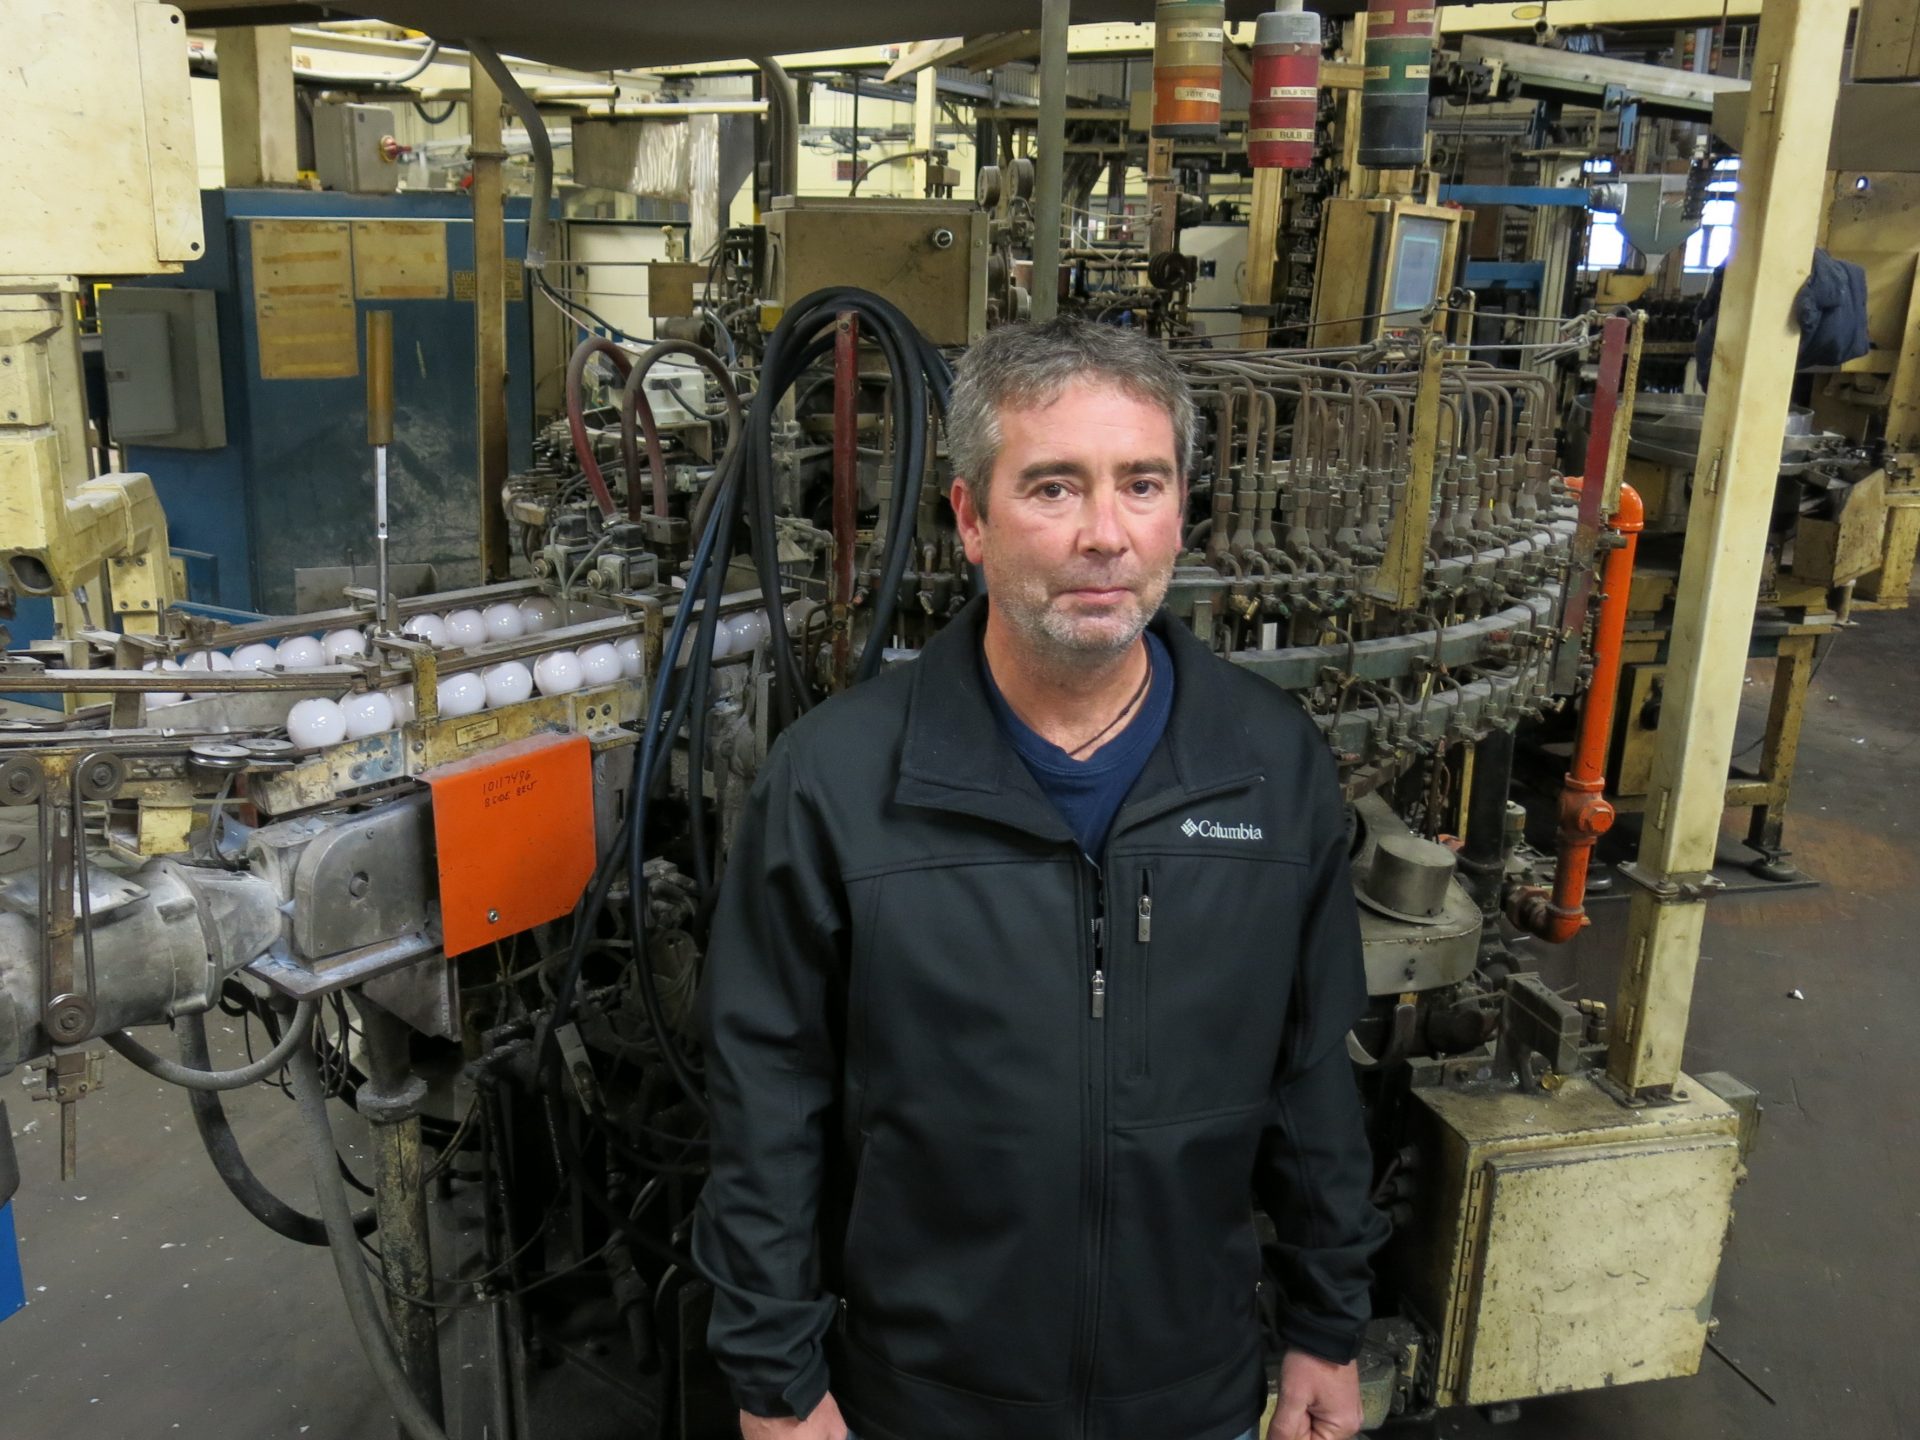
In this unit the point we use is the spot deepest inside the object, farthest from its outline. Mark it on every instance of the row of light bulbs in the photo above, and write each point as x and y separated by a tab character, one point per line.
319	721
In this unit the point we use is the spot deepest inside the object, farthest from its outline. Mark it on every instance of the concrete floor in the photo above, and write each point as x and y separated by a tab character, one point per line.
158	1308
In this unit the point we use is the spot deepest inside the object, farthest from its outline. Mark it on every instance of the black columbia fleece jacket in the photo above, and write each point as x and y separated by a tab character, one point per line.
990	1117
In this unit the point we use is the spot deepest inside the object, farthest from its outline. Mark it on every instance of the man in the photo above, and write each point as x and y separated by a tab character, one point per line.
1031	971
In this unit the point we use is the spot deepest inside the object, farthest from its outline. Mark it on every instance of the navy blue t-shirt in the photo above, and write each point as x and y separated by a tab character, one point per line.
1088	793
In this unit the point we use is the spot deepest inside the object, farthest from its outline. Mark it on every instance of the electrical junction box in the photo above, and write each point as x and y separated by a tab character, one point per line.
929	257
350	149
1567	1241
162	350
99	177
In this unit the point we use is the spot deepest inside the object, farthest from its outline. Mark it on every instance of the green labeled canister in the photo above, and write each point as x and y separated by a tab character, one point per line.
1394	91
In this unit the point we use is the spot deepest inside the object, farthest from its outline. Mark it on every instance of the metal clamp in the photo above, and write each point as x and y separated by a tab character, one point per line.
1685	888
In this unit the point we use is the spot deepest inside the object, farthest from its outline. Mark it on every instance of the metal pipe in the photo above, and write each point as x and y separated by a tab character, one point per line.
1050	163
489	316
1585	814
390	1100
416	1421
541	145
783	107
380	436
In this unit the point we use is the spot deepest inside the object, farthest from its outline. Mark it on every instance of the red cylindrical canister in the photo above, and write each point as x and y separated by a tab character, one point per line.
1187	55
1286	88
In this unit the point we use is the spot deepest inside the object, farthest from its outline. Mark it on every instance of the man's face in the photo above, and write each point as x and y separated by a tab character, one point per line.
1084	510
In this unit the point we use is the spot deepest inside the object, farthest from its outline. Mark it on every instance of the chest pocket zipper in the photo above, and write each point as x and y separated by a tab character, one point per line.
1143	936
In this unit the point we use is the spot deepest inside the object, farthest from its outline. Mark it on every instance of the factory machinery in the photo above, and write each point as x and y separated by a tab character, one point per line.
453	856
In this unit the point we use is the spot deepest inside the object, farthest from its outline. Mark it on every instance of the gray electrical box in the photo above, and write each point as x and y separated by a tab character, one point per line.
929	257
162	351
350	149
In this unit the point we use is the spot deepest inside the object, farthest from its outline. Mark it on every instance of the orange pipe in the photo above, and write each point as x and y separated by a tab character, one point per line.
1585	814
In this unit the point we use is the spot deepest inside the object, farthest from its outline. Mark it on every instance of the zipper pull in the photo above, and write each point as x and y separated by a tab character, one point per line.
1099	994
1144	932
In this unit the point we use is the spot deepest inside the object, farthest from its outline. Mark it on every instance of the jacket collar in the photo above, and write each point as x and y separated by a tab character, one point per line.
955	758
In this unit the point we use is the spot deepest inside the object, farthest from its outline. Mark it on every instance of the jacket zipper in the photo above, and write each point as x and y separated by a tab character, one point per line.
1094	1220
1136	1067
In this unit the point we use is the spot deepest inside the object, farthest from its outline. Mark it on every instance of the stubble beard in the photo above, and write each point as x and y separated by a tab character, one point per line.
1067	644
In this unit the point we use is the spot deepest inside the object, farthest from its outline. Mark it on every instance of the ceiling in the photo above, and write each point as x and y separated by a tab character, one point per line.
633	34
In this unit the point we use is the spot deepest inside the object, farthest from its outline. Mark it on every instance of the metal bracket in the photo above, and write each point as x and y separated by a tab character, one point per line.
71	1075
1685	888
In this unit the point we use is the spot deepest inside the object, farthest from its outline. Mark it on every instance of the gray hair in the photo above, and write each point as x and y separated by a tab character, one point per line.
1027	367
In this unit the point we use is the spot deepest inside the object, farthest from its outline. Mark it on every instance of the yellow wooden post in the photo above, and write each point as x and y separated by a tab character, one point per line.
1796	79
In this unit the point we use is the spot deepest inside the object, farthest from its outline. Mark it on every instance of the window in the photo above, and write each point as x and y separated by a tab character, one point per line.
1606	243
1709	246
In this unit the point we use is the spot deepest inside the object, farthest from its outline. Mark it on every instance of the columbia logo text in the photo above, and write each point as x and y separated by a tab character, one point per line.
1214	830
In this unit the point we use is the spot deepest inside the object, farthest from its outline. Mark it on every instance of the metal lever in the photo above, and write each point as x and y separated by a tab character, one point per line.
380	436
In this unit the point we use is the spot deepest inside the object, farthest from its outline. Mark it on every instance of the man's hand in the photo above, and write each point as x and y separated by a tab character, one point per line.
1319	1400
825	1423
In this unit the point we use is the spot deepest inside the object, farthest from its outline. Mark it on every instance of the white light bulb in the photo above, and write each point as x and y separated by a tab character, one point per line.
338	644
632	659
253	657
539	614
462	695
207	660
466	629
599	665
430	629
557	674
404	710
507	684
503	622
299	652
157	698
724	639
367	714
314	723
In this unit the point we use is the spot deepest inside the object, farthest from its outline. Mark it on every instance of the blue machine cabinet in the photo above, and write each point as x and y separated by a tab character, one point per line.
293	487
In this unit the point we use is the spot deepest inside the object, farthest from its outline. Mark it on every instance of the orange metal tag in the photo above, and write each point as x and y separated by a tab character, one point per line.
514	832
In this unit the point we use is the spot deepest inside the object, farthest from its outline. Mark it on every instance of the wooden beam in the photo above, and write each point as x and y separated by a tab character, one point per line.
1263	251
490	321
256	107
1797	71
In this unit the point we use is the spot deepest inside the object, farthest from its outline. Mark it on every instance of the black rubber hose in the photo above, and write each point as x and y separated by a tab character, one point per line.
633	836
744	487
223	1149
917	370
199	1077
